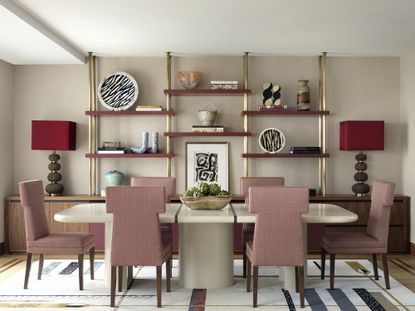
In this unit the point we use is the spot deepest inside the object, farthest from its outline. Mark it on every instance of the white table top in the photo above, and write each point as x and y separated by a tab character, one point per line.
317	213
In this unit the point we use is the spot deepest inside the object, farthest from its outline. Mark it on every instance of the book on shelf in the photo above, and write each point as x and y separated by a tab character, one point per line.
224	82
208	129
148	108
224	87
111	150
305	150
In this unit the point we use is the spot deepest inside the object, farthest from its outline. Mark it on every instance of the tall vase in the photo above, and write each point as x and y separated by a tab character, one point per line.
144	144
154	142
303	96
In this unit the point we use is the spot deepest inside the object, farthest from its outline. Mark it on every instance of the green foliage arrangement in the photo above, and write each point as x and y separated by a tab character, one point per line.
204	190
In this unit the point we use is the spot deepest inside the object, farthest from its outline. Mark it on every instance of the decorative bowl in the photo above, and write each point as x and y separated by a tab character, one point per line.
206	203
189	79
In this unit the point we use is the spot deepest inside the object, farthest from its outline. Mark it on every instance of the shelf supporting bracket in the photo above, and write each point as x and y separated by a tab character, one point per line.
322	165
92	124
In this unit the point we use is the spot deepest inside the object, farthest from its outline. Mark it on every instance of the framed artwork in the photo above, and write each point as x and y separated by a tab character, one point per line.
207	162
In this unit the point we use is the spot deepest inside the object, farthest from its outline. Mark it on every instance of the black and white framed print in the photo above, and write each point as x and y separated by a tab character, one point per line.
271	140
207	162
118	91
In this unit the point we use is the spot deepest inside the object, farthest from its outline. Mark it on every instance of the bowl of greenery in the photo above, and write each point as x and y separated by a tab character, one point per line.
206	196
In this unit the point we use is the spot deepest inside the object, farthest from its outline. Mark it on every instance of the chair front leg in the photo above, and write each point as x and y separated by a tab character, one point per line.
386	270
159	285
113	285
375	266
248	275
91	262
255	283
27	273
40	269
323	262
81	271
301	285
332	269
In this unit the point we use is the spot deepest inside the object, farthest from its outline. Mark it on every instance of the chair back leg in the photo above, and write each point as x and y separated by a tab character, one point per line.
255	285
27	273
386	270
81	271
168	274
248	275
323	263
332	269
301	284
244	259
375	266
113	284
92	262
120	277
159	285
40	270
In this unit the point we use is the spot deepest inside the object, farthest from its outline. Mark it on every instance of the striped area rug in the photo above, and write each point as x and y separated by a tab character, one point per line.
356	289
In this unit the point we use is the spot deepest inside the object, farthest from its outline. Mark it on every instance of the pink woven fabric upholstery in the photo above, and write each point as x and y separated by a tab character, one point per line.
278	237
169	184
38	238
136	236
375	240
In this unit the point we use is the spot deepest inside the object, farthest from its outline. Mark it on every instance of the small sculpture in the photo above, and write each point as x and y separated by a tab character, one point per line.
271	96
144	144
154	142
145	148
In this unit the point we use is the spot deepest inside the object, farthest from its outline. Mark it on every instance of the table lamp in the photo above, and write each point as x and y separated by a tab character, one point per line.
53	135
361	136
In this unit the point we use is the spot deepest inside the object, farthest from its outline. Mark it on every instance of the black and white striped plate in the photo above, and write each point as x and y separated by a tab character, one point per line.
271	140
118	91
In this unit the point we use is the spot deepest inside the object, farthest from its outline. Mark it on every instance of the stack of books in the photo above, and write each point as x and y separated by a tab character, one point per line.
208	129
112	150
305	150
225	85
148	108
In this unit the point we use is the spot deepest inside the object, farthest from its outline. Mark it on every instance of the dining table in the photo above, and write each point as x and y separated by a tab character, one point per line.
206	254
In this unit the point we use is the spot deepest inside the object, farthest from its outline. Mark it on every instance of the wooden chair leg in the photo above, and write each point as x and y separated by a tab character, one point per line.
39	271
130	277
386	270
255	285
301	285
81	271
375	266
113	284
159	285
27	273
244	259
91	262
323	262
332	269
168	275
296	280
248	275
120	278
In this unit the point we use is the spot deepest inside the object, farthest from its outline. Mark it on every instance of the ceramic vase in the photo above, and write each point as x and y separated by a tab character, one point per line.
154	142
114	178
303	96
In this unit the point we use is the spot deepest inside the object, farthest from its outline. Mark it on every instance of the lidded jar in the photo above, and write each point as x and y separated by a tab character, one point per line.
303	96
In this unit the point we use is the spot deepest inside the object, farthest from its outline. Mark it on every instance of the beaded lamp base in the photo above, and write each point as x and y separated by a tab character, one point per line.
54	188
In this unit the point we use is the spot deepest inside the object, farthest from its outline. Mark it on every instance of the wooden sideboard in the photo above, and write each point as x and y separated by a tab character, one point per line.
399	228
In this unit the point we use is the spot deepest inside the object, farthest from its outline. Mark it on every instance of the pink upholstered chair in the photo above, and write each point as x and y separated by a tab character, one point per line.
374	241
136	239
248	229
40	241
278	235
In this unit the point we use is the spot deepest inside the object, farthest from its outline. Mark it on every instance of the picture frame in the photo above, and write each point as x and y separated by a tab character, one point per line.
207	162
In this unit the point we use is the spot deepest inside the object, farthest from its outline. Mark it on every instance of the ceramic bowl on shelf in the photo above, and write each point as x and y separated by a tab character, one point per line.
206	203
190	79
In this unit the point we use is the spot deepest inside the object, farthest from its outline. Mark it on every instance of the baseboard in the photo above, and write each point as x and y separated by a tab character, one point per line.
2	248
412	249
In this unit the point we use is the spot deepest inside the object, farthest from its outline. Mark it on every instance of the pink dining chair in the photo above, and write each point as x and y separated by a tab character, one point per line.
374	241
40	241
136	236
248	229
278	234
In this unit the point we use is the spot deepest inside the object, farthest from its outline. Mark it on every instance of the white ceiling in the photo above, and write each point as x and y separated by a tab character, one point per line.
152	27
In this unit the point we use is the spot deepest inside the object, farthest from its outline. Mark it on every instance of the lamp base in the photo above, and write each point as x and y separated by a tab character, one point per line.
360	188
54	188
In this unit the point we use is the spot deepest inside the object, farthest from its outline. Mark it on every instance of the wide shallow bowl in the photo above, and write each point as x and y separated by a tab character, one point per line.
207	203
190	79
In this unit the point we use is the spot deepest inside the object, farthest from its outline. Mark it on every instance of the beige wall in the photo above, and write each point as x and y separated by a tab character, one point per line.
358	88
408	130
6	136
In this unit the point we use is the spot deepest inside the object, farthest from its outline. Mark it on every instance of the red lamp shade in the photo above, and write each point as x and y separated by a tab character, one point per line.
53	135
362	135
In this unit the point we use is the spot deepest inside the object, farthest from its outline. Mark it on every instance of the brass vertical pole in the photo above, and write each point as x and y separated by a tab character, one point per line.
168	107
245	58
322	123
92	125
90	134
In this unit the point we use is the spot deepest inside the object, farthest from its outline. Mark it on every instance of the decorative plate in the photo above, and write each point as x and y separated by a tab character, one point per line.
271	140
118	91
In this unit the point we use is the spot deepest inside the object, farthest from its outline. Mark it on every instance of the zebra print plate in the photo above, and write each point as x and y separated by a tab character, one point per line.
118	91
271	140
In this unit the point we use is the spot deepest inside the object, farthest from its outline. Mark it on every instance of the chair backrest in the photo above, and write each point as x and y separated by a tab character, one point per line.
278	235
136	237
169	183
247	182
379	215
32	199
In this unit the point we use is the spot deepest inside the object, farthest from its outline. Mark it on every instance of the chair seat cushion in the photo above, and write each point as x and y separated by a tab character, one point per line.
352	243
62	243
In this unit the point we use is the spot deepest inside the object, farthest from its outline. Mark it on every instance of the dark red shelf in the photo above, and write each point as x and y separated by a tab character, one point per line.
130	155
283	112
206	92
284	155
127	113
177	134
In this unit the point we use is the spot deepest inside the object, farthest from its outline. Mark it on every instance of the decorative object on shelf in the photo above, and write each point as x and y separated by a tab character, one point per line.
154	142
305	150
224	85
114	178
111	144
111	147
271	140
276	96
53	135
267	95
207	117
206	196
303	96
144	144
360	136
208	129
207	162
118	91
190	79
